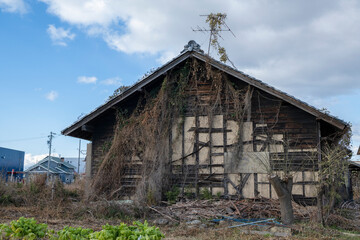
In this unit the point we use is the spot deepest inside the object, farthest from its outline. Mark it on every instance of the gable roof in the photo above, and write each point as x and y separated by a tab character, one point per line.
192	49
354	165
62	167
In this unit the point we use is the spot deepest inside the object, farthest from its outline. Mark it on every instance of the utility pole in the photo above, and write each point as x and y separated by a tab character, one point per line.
50	145
79	157
79	147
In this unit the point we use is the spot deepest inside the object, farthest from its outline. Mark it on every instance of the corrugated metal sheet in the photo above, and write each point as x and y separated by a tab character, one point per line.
11	160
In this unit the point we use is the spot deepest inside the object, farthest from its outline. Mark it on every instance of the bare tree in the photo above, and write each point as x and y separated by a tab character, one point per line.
282	180
282	167
332	174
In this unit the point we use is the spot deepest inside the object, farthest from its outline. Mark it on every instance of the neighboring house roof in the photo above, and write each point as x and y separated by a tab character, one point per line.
192	50
354	165
61	167
74	161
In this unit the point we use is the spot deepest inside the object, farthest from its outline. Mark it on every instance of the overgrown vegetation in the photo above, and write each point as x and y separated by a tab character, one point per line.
29	229
333	167
38	192
141	140
71	233
173	194
118	91
142	136
112	211
24	228
137	231
216	23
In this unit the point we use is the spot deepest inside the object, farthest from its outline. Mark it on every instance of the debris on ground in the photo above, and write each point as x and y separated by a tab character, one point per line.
257	208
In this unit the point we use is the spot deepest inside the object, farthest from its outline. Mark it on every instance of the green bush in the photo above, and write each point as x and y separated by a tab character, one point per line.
24	228
29	229
205	194
172	195
5	199
71	233
189	191
125	232
218	195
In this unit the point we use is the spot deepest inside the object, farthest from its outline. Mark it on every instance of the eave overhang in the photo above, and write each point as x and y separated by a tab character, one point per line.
82	124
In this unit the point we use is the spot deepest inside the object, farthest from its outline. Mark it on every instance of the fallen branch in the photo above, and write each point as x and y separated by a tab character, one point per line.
172	219
237	210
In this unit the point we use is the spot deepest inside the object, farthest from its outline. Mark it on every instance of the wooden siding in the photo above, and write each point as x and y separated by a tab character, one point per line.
199	154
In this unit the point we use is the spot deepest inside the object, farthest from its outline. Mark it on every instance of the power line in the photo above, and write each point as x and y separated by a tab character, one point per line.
22	139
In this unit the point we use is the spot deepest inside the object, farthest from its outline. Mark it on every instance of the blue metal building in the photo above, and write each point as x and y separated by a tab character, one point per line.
11	163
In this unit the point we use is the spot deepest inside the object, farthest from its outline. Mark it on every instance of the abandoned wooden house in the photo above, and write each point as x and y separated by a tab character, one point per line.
200	125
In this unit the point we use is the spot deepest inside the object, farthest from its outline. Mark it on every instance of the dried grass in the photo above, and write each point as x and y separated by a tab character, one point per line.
38	192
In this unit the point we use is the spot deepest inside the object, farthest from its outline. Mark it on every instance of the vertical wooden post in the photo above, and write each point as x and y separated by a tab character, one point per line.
321	188
241	190
248	103
256	188
170	154
183	147
303	182
226	190
183	178
197	156
210	152
254	138
286	154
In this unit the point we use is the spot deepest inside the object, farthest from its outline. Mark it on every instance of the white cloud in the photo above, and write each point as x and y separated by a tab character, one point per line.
52	95
13	6
59	36
355	141
84	79
356	134
31	160
306	49
115	81
132	26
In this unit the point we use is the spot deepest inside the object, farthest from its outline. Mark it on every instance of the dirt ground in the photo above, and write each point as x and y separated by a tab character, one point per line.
86	216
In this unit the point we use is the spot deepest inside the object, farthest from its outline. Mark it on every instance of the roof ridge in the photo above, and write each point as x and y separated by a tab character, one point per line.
278	90
193	49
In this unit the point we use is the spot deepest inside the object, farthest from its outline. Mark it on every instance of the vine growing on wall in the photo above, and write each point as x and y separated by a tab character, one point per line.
336	153
141	145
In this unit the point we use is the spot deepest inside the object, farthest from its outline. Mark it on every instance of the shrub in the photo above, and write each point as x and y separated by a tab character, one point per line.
71	233
29	229
205	194
123	232
172	195
24	228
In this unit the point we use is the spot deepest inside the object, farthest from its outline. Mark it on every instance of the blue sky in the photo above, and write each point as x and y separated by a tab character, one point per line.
63	58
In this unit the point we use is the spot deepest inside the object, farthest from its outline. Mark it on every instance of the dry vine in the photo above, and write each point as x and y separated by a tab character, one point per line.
141	145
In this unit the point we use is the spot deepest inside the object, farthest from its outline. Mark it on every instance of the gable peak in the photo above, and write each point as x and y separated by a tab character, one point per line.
192	46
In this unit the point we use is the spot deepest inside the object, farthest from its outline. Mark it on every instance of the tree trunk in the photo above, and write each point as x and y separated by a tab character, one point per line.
283	188
320	214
